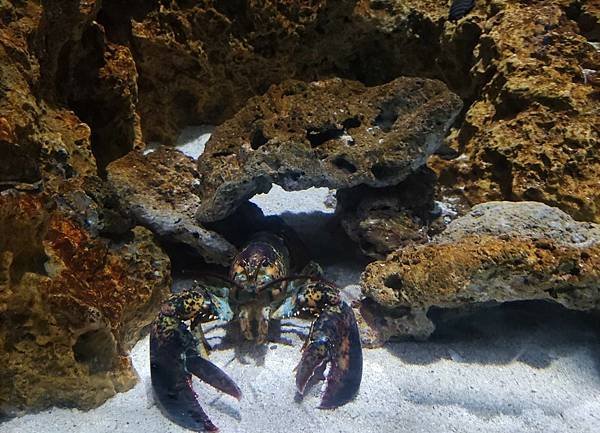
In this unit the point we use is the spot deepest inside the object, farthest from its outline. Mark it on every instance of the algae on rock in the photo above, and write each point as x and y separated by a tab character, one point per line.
499	252
72	307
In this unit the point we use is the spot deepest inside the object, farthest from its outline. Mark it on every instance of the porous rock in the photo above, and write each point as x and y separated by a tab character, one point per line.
159	190
382	220
533	133
95	205
499	252
200	62
334	133
72	307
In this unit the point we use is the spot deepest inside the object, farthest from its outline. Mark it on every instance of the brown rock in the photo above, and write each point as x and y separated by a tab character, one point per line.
500	252
94	205
200	62
534	132
72	307
382	220
99	81
333	133
159	190
39	139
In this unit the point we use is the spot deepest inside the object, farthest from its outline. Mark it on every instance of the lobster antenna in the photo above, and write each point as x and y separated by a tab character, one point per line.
214	275
295	277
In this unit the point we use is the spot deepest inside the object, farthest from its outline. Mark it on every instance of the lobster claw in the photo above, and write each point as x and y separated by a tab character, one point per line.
173	360
334	340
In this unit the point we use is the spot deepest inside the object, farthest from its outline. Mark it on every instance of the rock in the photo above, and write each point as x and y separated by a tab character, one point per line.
334	133
382	220
94	205
72	307
522	219
39	140
109	105
16	167
500	252
377	325
200	63
532	134
159	190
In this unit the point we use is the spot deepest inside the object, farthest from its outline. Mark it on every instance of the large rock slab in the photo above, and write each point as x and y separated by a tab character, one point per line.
499	252
333	133
71	307
159	190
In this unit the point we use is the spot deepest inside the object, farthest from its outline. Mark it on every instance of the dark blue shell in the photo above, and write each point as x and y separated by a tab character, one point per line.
460	8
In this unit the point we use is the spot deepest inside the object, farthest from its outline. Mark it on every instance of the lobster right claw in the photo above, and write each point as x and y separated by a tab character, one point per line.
334	339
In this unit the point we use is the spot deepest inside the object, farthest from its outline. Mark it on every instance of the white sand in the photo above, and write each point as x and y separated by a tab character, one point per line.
527	368
543	378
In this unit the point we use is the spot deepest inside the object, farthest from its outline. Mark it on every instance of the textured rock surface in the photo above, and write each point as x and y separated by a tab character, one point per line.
334	133
534	132
160	192
59	71
94	205
522	219
200	62
382	220
72	307
500	252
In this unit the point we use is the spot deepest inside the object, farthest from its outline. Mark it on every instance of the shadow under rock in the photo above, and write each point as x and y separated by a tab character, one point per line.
531	332
329	245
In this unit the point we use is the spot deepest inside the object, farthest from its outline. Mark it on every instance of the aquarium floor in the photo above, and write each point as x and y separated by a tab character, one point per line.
543	376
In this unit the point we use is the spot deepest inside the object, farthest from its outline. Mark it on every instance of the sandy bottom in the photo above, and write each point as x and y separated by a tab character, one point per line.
526	367
515	371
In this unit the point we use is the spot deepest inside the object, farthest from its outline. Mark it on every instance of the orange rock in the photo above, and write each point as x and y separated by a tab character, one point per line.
72	307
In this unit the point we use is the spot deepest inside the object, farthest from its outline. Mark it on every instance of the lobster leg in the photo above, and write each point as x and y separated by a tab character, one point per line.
176	353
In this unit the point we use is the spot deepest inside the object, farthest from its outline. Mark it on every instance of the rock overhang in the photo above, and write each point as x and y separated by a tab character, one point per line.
333	133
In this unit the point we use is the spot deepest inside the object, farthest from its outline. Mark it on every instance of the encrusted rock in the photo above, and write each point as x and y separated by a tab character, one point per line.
94	205
334	133
39	140
522	219
377	325
159	191
200	62
500	252
72	307
534	132
382	220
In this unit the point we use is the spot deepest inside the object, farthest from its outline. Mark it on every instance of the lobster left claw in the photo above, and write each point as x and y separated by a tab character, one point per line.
333	341
176	353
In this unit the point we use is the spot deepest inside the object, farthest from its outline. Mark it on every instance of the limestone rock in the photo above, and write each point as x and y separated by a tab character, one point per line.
159	190
534	132
334	133
39	140
500	252
94	205
382	220
201	62
522	219
72	307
